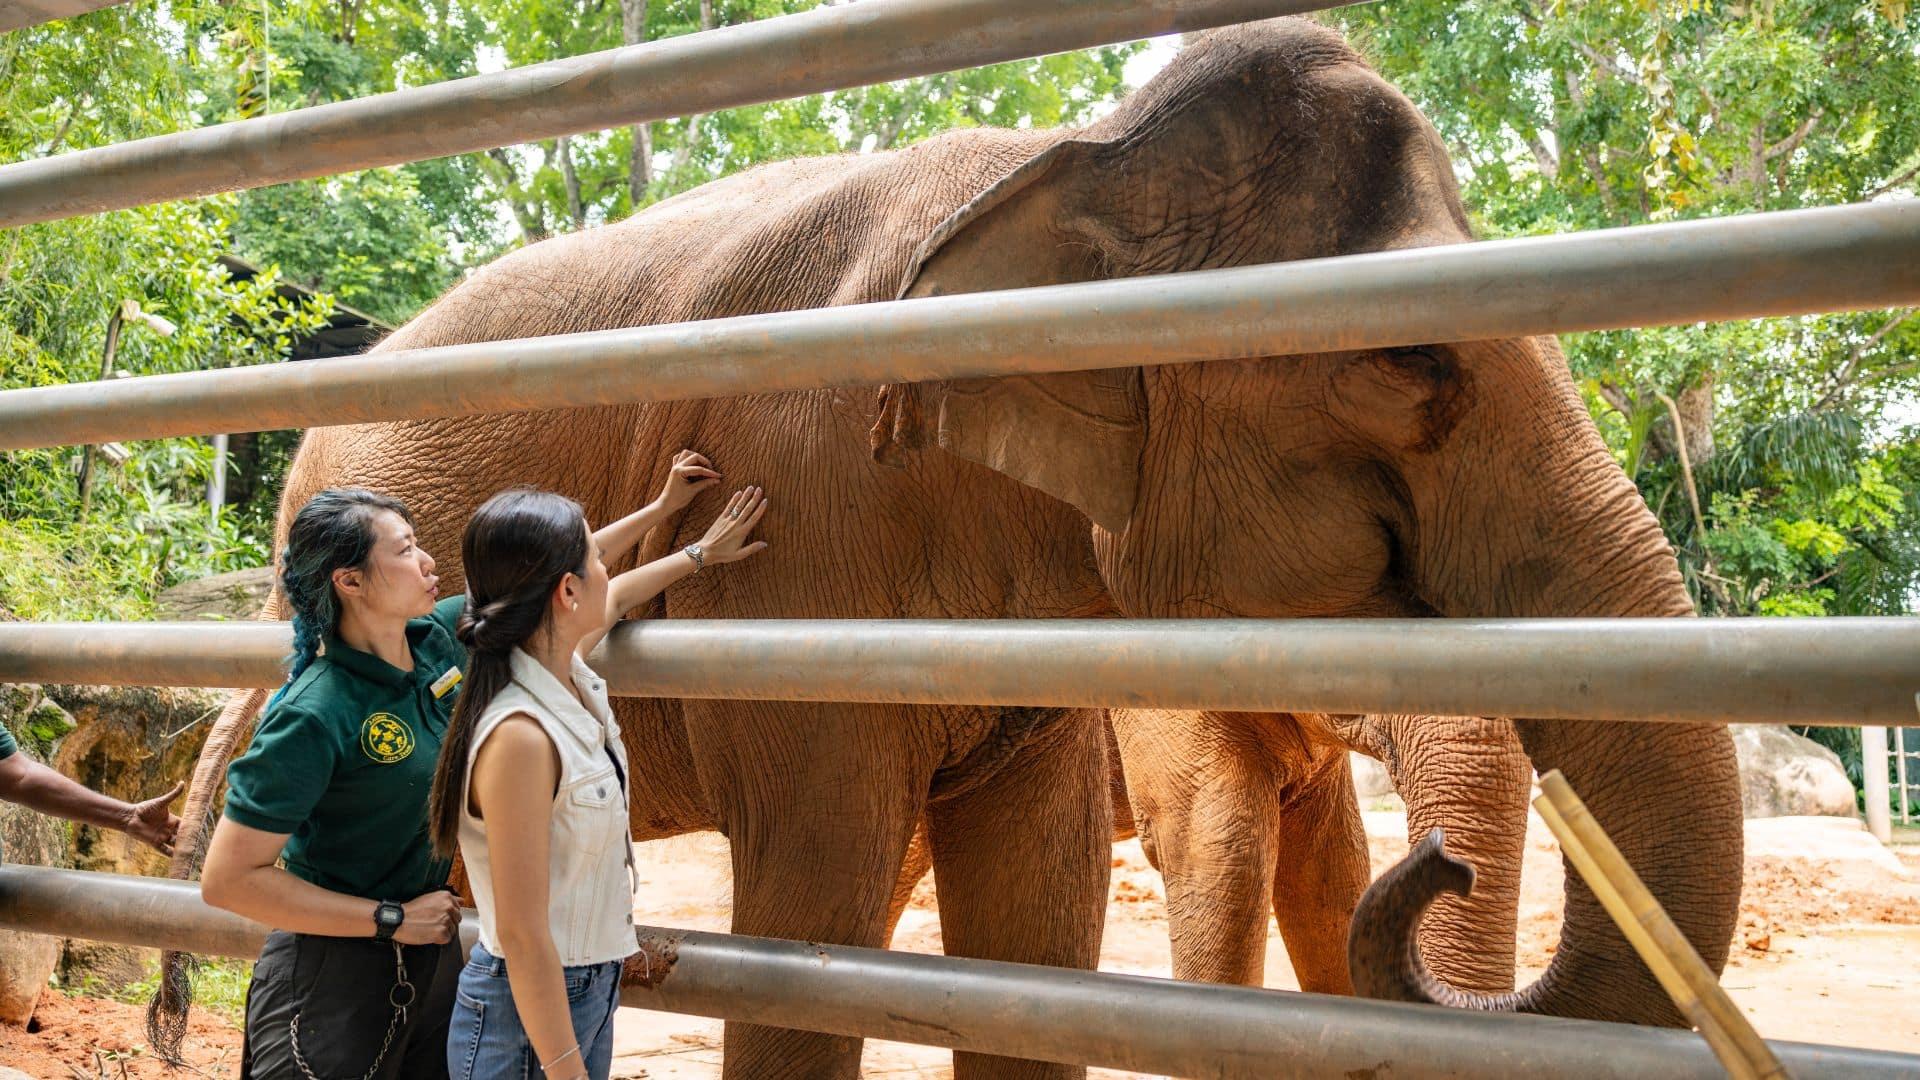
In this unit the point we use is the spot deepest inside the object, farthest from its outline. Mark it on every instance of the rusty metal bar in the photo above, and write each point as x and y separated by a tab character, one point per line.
826	49
1790	262
1018	1010
1832	672
16	14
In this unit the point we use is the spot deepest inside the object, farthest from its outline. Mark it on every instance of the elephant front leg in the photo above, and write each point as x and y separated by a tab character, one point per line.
1470	777
1321	869
1022	861
1204	806
819	803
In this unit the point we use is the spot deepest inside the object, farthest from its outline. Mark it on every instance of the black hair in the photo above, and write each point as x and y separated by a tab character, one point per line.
334	530
517	548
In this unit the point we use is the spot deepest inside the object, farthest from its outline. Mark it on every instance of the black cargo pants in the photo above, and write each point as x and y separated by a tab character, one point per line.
341	991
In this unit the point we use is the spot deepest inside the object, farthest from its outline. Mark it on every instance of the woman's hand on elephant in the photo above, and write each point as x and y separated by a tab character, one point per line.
690	475
726	539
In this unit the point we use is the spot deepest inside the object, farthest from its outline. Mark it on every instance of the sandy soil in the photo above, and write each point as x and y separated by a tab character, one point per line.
87	1039
1828	951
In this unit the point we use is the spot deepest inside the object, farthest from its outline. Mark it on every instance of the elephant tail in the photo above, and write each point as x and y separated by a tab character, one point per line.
167	1011
1383	950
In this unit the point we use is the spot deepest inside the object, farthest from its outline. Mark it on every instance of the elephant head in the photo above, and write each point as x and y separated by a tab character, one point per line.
1457	479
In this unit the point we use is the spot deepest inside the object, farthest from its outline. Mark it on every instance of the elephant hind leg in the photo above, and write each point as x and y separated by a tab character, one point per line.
1320	870
913	867
1022	862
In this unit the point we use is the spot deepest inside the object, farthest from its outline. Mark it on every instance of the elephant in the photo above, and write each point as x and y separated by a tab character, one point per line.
1242	813
1325	485
1246	812
1461	479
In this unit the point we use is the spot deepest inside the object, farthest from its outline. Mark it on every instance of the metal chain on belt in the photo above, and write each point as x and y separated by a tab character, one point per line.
401	997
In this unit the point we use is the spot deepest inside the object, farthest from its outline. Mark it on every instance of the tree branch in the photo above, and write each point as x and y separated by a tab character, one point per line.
1792	142
889	131
1590	156
1895	182
499	164
1543	154
1600	60
65	126
1843	379
1686	474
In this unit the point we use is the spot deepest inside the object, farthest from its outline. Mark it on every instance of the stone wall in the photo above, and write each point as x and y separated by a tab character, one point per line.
128	742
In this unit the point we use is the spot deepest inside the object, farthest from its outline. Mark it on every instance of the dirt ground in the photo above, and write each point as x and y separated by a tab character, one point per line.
1828	951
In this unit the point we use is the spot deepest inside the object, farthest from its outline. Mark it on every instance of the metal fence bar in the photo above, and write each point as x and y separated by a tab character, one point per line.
826	49
1783	263
1843	671
1020	1010
17	14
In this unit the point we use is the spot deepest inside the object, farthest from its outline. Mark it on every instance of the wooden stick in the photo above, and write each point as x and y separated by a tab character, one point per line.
1666	951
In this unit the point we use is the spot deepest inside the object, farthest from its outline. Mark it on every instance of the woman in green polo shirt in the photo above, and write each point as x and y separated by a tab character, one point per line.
324	836
321	835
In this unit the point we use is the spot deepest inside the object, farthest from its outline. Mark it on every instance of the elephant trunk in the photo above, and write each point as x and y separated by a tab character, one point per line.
1668	795
167	1010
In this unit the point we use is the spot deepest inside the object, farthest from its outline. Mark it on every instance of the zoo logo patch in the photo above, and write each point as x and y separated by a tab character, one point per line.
386	738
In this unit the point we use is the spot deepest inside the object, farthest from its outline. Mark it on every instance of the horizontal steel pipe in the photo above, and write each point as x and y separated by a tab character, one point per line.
1783	263
153	913
826	49
1054	1014
1841	672
1167	1028
15	14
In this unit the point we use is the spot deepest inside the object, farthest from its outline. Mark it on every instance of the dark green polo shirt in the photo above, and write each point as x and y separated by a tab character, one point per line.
7	746
344	762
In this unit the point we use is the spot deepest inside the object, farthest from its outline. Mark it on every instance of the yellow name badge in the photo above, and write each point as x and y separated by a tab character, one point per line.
446	682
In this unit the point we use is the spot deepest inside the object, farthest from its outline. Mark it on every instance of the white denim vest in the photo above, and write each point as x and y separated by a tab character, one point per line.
590	879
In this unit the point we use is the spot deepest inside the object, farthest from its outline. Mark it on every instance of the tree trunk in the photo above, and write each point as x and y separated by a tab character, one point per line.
690	140
533	223
576	209
1696	415
633	31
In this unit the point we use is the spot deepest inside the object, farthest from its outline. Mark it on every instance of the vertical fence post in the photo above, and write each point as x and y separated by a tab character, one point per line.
1873	769
1900	755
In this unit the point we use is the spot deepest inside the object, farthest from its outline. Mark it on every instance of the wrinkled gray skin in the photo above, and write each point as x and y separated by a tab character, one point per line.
1458	480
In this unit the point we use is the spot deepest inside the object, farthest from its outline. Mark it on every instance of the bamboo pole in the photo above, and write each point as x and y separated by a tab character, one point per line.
1666	951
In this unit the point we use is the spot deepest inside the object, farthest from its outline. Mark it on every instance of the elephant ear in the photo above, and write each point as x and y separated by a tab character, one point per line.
1075	435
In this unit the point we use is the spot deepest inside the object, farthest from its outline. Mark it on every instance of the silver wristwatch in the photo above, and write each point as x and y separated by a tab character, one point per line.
698	555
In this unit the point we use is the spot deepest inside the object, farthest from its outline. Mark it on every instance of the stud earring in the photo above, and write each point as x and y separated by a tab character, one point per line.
575	606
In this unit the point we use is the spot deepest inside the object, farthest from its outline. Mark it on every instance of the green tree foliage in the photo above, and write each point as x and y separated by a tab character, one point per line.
566	184
60	283
1581	114
386	241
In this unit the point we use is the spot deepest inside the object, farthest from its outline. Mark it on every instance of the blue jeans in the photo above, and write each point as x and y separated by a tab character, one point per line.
486	1041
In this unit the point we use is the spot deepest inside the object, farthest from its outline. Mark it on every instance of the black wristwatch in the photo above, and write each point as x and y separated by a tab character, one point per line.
386	919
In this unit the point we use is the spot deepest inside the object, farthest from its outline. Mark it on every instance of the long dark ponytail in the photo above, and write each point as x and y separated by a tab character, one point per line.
517	548
334	530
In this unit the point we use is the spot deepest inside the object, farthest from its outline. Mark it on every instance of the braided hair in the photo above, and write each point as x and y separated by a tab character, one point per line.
333	531
518	546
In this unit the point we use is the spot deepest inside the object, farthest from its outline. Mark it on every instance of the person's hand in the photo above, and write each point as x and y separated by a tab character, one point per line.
152	823
690	475
726	539
432	919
